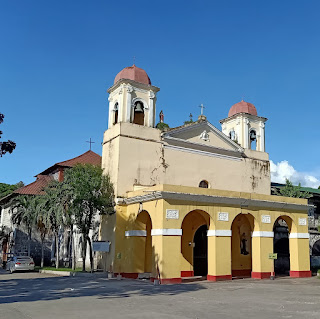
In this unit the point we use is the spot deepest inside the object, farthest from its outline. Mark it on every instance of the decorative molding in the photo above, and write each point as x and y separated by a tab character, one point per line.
266	219
166	232
204	136
219	233
223	216
135	233
172	214
267	234
190	150
129	89
299	235
151	95
261	124
302	221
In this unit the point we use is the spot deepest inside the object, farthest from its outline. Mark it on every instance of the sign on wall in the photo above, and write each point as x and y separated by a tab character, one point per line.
273	256
101	246
172	214
266	219
302	221
223	216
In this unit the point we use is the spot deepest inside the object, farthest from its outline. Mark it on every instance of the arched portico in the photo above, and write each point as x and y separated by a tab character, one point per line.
241	245
194	243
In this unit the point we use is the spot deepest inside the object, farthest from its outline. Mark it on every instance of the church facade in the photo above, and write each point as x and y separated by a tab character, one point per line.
193	200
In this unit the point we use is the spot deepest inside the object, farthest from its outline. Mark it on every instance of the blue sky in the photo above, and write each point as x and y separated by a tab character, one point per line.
58	58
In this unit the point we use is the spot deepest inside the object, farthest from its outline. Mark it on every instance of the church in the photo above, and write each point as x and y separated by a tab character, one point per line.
192	200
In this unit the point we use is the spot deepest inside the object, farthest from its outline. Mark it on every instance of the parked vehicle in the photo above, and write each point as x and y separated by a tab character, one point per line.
20	263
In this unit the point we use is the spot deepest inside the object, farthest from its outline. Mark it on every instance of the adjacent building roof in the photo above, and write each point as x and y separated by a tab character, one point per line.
88	157
133	73
36	187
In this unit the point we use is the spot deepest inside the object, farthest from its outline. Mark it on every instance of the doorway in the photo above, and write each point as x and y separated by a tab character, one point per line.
200	251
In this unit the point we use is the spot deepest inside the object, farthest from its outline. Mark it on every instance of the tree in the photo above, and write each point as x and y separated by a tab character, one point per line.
92	193
53	209
6	189
7	146
190	120
23	210
289	190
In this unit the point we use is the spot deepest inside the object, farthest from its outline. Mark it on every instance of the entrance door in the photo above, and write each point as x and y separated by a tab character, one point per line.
200	252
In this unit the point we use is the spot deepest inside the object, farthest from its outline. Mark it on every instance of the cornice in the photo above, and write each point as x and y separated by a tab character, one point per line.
136	85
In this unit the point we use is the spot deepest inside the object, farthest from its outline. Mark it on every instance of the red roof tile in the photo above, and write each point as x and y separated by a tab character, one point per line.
133	73
88	157
35	188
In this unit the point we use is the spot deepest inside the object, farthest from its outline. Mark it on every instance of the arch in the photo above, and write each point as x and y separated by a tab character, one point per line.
116	113
316	248
194	231
144	222
253	139
139	119
204	184
281	228
241	245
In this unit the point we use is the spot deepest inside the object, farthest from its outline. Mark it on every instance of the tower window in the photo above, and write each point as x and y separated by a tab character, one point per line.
204	184
232	135
253	140
116	113
138	115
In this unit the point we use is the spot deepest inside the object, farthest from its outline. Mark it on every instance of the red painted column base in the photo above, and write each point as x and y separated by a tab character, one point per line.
187	273
300	274
260	275
219	278
132	275
170	281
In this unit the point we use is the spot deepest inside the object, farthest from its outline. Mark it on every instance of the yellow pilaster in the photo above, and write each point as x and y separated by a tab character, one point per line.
299	257
219	258
166	252
261	264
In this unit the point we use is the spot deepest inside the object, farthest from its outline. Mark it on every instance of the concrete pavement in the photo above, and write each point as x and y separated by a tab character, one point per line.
34	295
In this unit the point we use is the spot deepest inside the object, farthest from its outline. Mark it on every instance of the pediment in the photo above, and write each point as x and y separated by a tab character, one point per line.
202	134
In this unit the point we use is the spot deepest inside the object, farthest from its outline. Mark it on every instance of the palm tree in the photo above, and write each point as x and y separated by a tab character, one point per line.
23	211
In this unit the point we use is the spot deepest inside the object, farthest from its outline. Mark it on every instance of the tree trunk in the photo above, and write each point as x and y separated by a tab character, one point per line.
29	243
84	252
73	252
57	249
42	252
91	255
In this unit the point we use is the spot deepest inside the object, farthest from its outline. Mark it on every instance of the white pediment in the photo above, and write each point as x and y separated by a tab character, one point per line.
202	134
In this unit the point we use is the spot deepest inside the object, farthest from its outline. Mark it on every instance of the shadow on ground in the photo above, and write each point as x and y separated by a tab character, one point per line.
53	288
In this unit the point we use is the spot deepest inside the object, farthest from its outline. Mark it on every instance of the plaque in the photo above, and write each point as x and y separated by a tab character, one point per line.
223	216
302	221
266	219
172	214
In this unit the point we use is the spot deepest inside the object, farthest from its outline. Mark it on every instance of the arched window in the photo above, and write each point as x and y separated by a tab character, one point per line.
253	140
138	115
204	184
232	135
116	112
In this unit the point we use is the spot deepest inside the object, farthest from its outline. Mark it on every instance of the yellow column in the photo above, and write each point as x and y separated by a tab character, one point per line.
219	255
166	251
299	255
262	246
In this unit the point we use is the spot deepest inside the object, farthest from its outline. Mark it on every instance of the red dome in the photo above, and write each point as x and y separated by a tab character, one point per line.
133	73
242	107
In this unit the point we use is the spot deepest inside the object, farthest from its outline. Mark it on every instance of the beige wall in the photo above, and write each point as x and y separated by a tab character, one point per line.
135	155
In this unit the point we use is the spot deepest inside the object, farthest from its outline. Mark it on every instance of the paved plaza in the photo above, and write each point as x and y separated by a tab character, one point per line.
34	295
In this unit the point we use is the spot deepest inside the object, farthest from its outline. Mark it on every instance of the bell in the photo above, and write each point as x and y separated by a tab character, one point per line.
139	107
252	135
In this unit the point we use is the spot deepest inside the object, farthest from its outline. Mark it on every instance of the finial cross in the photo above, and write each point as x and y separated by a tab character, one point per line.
90	142
202	107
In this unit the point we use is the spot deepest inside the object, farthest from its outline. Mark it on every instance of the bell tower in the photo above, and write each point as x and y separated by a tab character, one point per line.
245	127
132	98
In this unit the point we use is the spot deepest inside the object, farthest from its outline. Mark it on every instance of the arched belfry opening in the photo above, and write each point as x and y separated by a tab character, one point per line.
138	113
116	113
281	229
253	140
241	245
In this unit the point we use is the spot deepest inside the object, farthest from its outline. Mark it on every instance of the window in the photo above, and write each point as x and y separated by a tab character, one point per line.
138	115
204	184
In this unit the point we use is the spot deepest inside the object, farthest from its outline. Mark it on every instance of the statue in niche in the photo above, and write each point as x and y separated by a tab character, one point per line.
243	245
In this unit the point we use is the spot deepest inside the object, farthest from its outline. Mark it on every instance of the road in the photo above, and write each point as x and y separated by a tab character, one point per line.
34	295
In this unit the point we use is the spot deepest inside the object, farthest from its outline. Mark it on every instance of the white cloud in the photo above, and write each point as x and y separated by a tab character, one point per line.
282	170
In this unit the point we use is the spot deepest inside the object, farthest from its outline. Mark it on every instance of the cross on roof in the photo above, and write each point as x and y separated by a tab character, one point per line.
202	107
90	142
